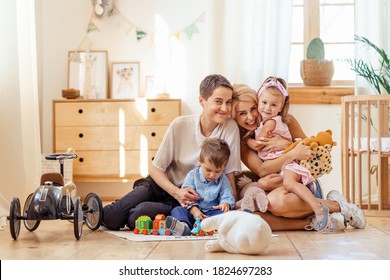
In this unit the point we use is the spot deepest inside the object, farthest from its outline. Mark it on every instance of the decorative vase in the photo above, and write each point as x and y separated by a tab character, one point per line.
315	72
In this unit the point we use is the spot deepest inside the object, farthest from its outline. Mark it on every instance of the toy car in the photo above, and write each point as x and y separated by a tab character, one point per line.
56	199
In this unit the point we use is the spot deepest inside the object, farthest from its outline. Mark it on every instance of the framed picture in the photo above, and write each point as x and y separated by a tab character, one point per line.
125	80
88	72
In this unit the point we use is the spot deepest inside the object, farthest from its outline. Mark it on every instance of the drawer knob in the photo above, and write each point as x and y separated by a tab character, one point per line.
153	110
81	135
81	159
80	111
153	134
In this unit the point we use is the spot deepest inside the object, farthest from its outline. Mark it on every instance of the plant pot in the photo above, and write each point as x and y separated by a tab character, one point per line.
315	72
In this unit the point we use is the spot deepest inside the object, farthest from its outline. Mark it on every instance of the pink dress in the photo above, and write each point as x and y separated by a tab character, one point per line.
282	129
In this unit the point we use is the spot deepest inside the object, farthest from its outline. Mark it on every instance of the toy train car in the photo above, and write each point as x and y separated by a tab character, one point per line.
197	230
145	225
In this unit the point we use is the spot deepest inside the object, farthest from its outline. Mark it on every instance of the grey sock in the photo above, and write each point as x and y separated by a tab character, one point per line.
179	228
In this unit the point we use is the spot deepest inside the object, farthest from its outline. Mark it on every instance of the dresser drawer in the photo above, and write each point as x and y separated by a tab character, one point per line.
116	113
113	163
115	140
108	137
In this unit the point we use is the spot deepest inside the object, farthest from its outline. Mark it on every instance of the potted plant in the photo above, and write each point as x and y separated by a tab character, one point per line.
379	78
315	69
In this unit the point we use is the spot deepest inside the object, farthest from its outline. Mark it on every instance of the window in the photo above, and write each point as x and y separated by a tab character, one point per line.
333	22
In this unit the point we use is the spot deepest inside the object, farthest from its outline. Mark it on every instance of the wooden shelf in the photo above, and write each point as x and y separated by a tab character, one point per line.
112	178
318	95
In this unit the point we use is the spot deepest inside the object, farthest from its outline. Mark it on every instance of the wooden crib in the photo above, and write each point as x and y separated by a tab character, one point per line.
365	152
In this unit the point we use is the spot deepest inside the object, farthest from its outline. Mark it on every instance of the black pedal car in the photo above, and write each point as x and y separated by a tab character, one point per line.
55	199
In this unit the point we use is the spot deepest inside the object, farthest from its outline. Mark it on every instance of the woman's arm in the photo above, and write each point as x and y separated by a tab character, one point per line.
183	196
276	142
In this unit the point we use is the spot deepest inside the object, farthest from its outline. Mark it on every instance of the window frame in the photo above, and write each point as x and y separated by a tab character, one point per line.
311	29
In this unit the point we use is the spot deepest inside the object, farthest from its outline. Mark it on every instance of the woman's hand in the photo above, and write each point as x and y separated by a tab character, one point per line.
186	196
254	144
273	143
302	152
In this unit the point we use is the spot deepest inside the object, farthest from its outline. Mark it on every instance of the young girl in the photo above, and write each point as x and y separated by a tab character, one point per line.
273	108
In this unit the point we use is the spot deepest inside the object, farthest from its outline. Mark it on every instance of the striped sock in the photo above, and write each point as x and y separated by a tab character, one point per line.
179	228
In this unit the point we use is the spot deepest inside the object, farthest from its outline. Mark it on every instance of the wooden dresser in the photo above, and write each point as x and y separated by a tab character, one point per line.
115	140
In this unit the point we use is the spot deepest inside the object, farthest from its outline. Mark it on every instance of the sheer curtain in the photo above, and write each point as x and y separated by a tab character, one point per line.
19	115
371	21
248	40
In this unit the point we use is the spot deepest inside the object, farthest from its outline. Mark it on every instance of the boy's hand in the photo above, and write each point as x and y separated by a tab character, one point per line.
224	207
196	213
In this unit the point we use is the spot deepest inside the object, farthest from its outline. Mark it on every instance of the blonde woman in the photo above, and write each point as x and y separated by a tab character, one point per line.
286	211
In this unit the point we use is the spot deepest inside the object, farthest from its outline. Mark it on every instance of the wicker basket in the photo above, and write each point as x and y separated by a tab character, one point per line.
316	72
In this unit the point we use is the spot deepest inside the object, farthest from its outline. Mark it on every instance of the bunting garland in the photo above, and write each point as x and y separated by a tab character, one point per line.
191	30
92	27
140	33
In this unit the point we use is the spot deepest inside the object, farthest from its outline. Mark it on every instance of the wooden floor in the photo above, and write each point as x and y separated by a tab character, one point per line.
55	240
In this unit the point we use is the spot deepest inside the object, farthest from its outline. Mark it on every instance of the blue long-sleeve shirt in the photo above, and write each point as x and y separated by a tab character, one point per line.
211	193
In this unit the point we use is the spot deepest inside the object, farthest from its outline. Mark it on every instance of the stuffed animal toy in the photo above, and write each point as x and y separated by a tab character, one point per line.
321	139
322	143
252	197
321	164
239	232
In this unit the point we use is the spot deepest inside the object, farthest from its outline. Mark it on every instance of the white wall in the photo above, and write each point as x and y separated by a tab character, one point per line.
62	26
315	118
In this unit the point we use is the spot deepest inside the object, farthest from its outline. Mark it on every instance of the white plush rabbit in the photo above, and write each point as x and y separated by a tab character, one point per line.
239	232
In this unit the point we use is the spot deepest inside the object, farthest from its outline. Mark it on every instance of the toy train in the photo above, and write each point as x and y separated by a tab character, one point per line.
145	225
197	230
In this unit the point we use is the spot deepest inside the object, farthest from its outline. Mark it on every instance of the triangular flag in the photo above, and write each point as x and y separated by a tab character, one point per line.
92	27
190	30
177	36
140	34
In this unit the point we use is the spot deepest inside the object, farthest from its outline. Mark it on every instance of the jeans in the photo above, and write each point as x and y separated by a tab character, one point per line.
184	215
146	198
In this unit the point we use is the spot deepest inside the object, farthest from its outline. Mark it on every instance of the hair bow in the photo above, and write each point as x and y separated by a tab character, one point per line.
273	83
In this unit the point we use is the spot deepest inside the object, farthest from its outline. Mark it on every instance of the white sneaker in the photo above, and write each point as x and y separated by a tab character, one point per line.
351	212
336	223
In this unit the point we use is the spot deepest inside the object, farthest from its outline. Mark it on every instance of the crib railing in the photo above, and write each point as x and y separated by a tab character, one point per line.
365	152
